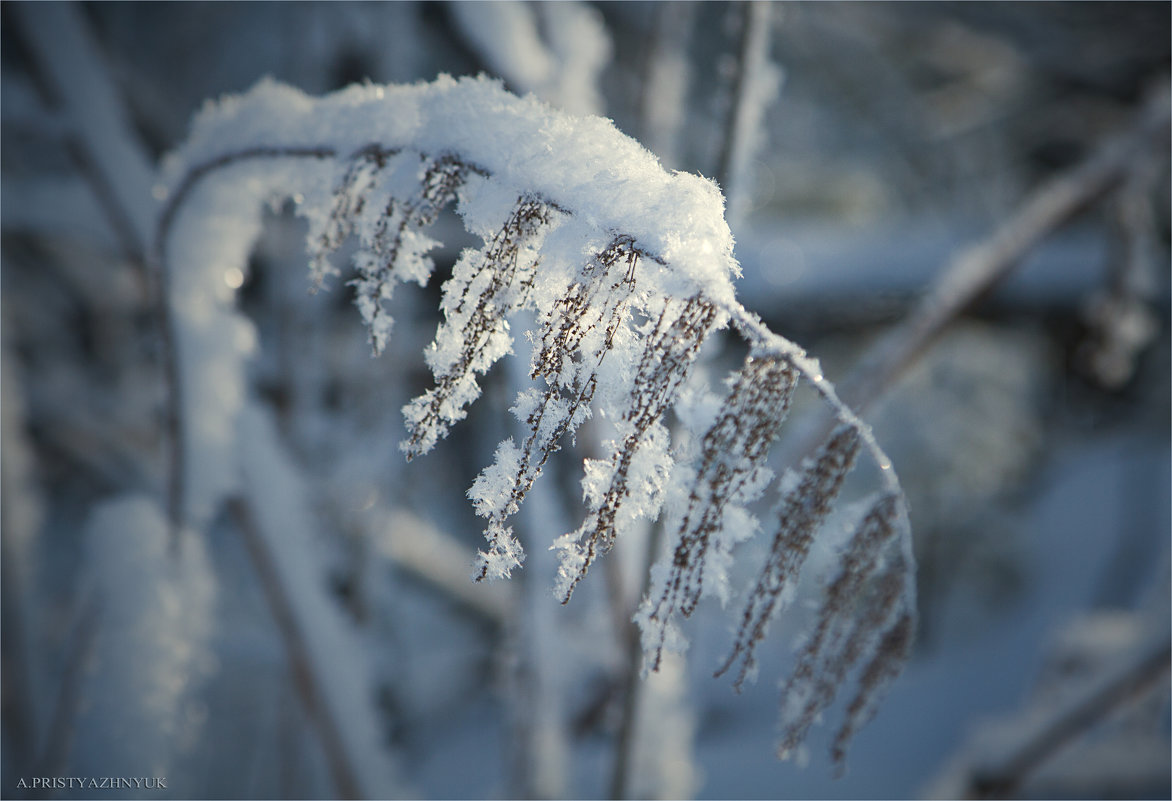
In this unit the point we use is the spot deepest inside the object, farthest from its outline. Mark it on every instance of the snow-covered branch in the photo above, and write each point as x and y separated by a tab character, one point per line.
977	269
624	270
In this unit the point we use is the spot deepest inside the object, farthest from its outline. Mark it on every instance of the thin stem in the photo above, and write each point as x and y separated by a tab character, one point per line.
59	739
742	117
1134	678
632	684
727	157
167	325
305	678
663	89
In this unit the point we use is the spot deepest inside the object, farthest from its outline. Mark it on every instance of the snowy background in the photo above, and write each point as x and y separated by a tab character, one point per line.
861	147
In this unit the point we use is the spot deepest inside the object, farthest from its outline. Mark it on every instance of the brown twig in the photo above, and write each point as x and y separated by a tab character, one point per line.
977	269
59	738
1003	778
305	677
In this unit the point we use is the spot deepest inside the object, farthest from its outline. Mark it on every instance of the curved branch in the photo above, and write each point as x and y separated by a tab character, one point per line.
555	191
173	414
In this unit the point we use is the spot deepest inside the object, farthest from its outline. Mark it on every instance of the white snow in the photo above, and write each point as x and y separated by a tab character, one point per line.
154	616
583	164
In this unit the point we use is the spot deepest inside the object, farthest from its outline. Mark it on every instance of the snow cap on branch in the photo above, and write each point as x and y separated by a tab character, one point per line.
611	182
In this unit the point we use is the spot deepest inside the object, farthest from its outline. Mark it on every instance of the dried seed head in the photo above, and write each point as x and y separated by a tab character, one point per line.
396	249
886	664
348	199
800	513
388	195
670	348
866	601
732	451
485	288
571	378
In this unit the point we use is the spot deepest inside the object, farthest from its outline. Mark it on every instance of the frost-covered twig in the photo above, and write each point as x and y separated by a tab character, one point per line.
106	149
114	164
630	640
154	645
977	269
664	89
538	671
1133	675
305	677
562	67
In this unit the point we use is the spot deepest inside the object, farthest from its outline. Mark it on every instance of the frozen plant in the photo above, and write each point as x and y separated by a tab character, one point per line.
624	269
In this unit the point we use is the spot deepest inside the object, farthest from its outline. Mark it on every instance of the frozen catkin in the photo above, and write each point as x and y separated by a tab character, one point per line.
892	653
349	197
862	612
394	245
799	515
621	271
671	346
732	455
486	287
576	335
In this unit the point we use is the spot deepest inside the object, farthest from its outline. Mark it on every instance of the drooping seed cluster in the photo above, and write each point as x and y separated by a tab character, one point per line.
385	196
671	345
892	653
396	248
733	452
348	201
863	617
576	335
799	515
628	270
486	287
572	342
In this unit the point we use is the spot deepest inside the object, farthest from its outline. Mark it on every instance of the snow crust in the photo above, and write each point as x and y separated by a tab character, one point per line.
583	164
